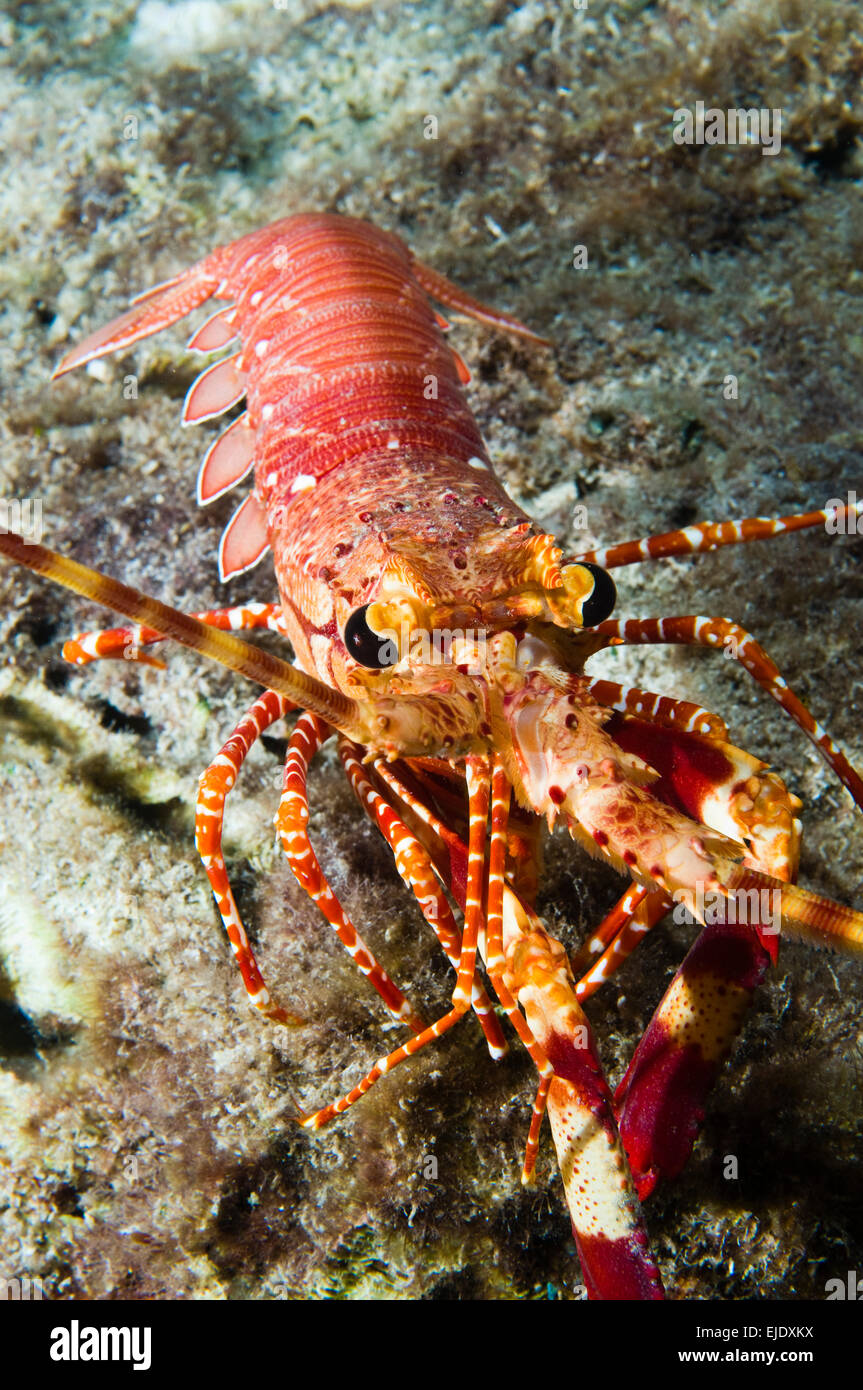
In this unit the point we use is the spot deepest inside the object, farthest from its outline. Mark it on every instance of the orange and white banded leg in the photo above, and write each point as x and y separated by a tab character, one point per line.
721	634
444	847
126	643
609	927
500	817
631	934
457	878
605	1211
632	917
713	535
478	798
292	820
601	1197
416	871
496	964
213	789
659	709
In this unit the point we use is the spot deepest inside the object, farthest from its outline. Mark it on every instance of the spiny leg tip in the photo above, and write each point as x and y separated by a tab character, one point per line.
314	1119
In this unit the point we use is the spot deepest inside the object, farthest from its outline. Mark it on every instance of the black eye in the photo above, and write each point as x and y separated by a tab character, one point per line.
600	604
367	647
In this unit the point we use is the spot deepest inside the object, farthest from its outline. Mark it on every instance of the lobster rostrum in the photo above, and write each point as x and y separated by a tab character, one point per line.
443	637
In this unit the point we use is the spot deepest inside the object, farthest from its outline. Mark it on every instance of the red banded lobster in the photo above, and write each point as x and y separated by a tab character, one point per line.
454	748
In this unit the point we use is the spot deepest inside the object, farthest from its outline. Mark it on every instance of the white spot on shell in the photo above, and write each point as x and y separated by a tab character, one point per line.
303	482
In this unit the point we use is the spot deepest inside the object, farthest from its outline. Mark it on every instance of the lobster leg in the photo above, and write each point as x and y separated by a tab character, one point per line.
417	873
611	925
308	735
712	535
527	964
496	961
659	709
637	913
453	871
660	1101
125	643
445	292
478	797
734	640
606	1219
632	917
214	786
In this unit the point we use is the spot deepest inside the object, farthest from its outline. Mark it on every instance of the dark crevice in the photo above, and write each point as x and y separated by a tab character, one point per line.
118	721
834	159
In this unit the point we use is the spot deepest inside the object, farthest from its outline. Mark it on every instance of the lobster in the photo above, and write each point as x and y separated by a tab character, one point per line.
443	637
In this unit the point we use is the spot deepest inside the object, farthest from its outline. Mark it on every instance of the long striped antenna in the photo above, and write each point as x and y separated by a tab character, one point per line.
267	670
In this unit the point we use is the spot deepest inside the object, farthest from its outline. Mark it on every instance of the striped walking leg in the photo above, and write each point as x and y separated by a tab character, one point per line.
632	917
125	643
659	709
713	535
213	789
478	799
292	819
416	871
606	1218
721	634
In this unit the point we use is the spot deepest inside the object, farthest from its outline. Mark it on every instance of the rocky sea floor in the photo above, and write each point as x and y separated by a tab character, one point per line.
146	1142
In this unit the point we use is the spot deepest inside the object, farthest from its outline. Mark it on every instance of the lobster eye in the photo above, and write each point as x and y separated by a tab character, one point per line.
599	604
367	647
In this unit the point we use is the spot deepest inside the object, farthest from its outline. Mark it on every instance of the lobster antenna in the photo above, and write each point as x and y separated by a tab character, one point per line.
806	916
259	666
